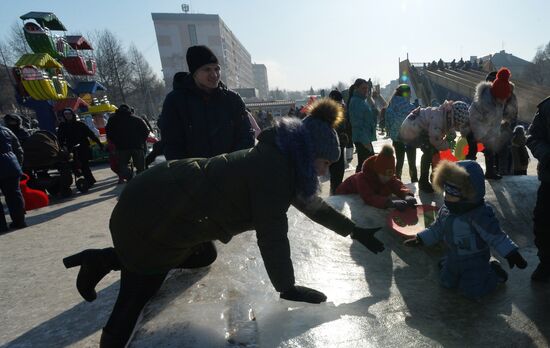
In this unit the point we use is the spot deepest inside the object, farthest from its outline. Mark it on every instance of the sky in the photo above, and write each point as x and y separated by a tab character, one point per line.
318	43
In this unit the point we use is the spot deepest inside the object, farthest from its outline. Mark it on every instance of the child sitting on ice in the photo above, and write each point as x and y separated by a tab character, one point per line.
469	227
376	183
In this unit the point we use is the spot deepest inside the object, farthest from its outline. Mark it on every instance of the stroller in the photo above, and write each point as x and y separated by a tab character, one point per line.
49	167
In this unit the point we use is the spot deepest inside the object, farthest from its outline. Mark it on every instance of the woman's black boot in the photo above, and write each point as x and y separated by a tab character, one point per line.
109	340
425	164
94	265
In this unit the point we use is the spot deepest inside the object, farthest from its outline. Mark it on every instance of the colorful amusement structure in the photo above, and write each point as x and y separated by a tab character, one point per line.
40	81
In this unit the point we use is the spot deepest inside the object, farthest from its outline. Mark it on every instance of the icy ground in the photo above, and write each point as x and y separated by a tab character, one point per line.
387	300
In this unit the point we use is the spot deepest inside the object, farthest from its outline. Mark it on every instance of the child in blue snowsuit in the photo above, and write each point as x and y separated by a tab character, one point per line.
469	227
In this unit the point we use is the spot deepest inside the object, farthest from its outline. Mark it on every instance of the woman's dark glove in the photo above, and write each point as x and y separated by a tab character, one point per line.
303	294
411	201
413	242
366	237
399	204
515	259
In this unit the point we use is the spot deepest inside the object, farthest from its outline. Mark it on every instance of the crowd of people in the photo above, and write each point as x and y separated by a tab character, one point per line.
228	172
26	153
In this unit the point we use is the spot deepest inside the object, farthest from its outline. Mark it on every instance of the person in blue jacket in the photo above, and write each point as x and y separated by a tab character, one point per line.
362	114
11	159
468	227
398	109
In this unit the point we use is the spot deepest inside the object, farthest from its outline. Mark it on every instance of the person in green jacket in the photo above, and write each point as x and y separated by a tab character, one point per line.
166	214
362	114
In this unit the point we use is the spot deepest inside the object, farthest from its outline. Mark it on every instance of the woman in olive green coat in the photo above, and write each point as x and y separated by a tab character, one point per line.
167	216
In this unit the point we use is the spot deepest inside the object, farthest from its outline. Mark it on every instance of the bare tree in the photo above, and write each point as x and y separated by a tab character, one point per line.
341	86
17	44
147	89
542	62
278	94
296	95
539	71
7	82
113	66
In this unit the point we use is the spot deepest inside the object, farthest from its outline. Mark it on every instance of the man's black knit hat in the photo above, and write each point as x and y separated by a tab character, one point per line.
198	56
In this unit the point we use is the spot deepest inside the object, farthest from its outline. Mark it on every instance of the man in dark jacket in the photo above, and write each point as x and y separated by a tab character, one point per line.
11	158
201	117
74	135
128	133
538	142
14	123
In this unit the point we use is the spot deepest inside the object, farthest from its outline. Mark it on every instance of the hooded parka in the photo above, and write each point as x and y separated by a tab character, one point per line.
215	199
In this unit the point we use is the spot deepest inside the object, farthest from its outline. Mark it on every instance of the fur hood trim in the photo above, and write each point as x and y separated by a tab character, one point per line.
484	98
467	175
483	95
327	110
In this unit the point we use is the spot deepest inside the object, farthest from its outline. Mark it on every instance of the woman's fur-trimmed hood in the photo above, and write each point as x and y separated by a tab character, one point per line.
467	175
485	100
486	116
483	96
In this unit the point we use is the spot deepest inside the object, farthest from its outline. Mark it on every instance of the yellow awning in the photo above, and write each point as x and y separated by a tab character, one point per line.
99	109
40	60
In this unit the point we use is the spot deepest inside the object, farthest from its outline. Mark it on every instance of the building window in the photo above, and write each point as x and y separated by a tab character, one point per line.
164	40
192	34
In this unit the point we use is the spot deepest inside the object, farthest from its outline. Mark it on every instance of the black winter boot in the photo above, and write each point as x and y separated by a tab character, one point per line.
490	167
3	222
411	160
94	265
425	164
109	340
541	273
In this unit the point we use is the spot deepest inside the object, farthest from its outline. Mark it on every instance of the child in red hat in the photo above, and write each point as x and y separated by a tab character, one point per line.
376	183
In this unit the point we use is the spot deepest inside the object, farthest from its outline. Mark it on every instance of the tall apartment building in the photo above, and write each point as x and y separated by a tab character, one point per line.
178	31
260	80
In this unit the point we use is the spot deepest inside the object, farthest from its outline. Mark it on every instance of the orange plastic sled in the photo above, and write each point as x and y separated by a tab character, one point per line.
411	221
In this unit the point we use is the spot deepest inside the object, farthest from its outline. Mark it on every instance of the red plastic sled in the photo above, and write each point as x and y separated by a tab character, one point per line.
409	222
33	199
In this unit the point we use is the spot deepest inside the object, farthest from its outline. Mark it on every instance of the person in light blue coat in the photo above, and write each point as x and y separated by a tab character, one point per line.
362	114
398	109
468	227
